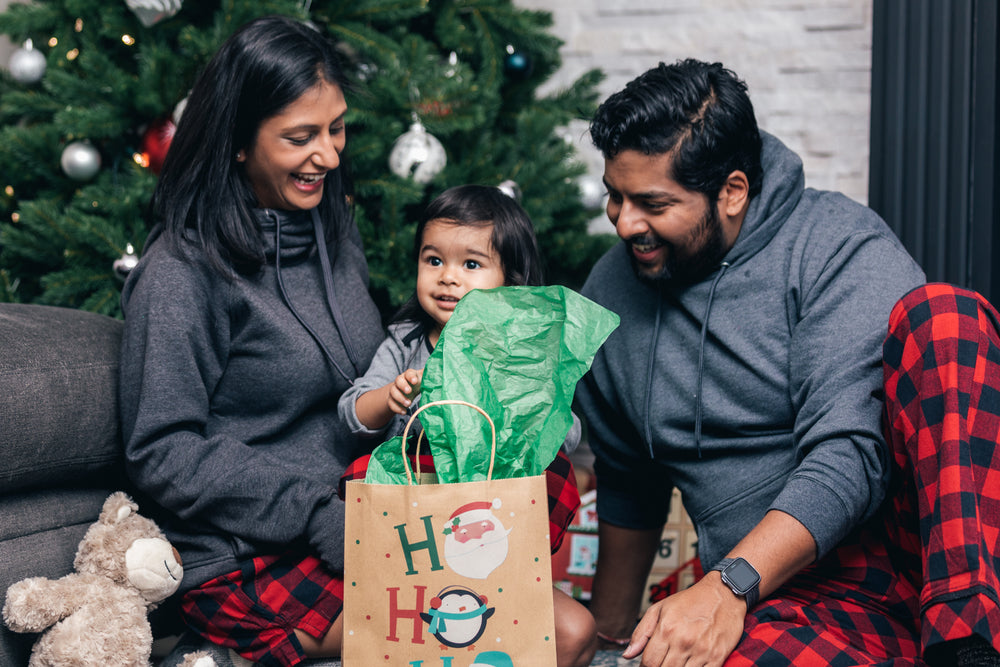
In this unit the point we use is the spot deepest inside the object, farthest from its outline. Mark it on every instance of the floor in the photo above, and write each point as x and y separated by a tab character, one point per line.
226	659
612	659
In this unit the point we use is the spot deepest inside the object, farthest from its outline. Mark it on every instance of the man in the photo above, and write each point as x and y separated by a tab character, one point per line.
747	372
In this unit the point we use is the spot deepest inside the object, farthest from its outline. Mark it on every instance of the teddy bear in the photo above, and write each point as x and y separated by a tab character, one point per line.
97	615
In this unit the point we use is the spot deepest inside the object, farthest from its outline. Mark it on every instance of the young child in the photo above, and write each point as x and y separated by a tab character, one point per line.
470	237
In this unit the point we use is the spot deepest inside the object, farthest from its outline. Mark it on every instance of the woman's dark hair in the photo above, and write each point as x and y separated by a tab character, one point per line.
513	236
203	191
698	110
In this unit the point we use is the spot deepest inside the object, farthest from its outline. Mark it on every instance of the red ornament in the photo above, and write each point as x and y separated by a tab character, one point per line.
156	141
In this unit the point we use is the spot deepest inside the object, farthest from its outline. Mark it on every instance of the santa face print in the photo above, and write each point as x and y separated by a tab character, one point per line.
475	540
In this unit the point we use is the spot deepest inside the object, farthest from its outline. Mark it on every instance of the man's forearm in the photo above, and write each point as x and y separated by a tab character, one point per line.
624	559
778	547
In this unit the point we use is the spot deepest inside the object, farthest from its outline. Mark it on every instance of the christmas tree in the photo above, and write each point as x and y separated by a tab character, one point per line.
90	97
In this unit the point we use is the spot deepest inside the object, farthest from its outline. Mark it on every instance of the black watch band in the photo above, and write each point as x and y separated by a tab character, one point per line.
741	577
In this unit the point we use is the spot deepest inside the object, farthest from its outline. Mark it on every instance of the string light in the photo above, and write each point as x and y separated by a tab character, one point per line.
53	41
72	54
78	26
15	217
9	190
141	159
128	40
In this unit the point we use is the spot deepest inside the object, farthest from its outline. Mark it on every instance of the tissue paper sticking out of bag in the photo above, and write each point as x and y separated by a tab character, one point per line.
517	353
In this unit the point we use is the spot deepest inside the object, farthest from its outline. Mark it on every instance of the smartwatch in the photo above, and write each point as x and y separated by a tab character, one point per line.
741	577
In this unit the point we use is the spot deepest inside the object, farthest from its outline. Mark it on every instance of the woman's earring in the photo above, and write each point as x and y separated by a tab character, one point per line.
239	156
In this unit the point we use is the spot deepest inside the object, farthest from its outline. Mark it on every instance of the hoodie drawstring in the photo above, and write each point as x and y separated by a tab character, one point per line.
331	300
328	284
698	408
647	429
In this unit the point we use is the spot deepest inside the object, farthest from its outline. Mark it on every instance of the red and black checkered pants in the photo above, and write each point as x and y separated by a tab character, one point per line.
255	611
924	570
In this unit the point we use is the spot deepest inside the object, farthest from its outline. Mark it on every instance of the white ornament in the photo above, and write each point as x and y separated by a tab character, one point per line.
179	111
592	191
80	160
150	12
124	264
511	189
27	65
418	155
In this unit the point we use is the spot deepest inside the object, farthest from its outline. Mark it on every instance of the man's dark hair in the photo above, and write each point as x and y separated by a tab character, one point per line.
699	111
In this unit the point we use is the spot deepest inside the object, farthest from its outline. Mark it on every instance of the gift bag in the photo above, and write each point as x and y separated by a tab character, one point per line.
448	575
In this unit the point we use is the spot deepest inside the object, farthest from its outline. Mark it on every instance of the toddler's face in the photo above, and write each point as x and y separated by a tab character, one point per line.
454	259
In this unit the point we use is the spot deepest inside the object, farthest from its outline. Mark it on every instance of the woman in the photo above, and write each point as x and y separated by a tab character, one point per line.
246	318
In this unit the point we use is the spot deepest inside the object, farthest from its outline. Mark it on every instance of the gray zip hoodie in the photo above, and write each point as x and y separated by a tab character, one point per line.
229	394
758	388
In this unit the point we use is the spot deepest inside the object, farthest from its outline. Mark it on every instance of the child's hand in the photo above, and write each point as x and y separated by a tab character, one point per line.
404	390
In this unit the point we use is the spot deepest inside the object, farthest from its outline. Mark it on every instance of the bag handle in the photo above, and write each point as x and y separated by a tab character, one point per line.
406	433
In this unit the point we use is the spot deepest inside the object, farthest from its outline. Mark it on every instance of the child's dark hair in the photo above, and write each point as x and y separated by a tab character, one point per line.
513	236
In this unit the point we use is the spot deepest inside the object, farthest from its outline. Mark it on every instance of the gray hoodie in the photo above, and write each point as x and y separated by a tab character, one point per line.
760	387
229	401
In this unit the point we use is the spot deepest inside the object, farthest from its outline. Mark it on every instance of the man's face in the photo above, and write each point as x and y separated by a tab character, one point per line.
674	235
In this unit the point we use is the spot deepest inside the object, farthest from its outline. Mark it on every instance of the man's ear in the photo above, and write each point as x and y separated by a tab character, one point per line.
734	198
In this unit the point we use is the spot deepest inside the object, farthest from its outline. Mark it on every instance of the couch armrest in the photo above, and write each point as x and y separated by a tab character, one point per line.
58	396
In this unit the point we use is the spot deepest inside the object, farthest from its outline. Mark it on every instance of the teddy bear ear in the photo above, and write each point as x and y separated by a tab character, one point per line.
117	507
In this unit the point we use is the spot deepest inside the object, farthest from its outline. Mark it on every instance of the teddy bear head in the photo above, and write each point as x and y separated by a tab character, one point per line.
130	550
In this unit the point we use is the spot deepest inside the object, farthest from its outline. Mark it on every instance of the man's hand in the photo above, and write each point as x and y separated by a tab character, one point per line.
700	625
703	624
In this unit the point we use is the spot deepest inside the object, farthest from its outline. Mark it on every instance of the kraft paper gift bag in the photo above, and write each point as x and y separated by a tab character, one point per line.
448	575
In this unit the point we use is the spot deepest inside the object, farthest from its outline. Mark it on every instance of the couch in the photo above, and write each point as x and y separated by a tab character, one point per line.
61	443
61	455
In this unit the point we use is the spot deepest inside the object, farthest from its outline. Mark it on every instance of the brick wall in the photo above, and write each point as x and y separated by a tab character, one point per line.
807	64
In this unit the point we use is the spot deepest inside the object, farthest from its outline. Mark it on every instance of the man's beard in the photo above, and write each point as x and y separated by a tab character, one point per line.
709	249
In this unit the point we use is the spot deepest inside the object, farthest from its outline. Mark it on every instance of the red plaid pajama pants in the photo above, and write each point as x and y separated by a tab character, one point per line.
925	570
256	610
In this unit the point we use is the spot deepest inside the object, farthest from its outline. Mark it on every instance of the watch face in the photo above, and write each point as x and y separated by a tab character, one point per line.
741	576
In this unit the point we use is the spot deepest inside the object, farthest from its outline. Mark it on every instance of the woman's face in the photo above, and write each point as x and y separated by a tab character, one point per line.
294	149
453	260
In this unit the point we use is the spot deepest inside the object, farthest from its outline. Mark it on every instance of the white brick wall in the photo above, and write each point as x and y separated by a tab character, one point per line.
807	64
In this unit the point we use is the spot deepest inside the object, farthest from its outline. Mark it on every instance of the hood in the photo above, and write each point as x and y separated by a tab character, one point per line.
297	240
783	184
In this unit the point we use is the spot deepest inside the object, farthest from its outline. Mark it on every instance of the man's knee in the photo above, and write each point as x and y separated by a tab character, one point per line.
937	301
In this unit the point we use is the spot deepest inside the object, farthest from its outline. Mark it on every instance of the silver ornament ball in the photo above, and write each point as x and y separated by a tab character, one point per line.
592	191
124	264
511	189
179	111
80	161
417	155
27	65
151	12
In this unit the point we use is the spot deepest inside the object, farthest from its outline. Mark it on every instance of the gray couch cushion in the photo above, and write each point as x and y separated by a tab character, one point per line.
58	395
39	535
